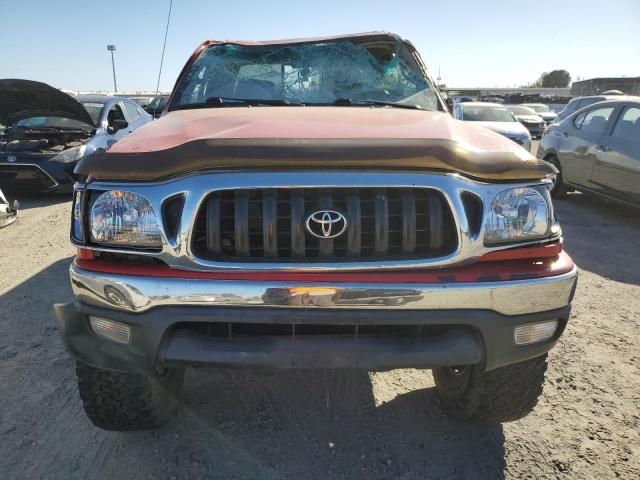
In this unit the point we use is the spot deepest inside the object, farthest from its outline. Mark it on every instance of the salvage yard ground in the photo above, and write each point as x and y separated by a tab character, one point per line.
324	424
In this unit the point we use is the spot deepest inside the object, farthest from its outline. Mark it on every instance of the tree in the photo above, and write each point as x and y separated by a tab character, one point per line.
553	79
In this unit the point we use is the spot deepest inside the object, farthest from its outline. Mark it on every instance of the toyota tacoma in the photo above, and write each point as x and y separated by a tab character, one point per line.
312	204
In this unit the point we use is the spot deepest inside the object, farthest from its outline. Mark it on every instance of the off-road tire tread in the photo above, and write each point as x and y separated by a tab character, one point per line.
503	395
123	402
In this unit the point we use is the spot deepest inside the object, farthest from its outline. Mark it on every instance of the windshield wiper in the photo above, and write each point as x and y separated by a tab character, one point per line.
213	102
251	101
356	101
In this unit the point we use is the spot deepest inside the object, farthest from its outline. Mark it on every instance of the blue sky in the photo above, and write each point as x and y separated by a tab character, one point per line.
474	43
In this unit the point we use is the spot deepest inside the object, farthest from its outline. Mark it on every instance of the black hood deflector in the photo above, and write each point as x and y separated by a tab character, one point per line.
20	99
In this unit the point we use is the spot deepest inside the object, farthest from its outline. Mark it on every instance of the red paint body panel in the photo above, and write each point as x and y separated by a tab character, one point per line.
478	272
182	126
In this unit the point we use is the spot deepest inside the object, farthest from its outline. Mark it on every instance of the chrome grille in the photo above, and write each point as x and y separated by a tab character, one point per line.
269	225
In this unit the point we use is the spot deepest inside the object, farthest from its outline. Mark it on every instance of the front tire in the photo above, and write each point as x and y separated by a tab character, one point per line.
123	401
503	395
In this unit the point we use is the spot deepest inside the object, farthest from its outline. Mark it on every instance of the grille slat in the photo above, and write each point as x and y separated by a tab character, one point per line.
213	225
408	222
241	210
381	238
297	224
436	237
270	225
354	241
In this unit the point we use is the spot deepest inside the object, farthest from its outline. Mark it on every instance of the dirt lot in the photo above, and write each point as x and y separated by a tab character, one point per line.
328	424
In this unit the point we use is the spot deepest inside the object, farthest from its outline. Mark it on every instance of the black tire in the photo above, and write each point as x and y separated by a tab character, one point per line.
503	395
559	189
123	401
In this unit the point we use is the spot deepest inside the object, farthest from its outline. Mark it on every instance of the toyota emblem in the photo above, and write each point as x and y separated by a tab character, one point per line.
326	224
11	158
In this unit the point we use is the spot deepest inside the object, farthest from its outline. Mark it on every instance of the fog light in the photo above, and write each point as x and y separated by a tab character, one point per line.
534	332
114	331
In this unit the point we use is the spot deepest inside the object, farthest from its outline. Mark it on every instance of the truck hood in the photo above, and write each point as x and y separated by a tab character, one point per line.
244	138
20	99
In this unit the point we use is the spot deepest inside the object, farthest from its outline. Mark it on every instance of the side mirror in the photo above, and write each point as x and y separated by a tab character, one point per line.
118	124
16	206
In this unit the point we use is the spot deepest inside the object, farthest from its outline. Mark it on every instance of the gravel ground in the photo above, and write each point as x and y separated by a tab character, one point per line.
327	424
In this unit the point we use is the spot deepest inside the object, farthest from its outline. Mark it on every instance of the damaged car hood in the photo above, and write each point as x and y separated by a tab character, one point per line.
187	141
20	99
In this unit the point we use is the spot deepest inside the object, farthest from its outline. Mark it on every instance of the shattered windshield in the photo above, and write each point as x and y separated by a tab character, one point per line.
314	74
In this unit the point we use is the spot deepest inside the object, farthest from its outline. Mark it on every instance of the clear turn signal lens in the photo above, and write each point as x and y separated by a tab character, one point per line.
534	332
111	330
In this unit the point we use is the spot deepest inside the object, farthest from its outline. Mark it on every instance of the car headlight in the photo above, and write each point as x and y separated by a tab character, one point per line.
124	219
520	214
71	154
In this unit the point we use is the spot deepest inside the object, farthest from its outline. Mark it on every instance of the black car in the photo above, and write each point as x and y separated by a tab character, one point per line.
597	149
48	131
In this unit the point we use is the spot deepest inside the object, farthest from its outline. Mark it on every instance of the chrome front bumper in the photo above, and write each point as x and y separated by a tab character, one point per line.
142	293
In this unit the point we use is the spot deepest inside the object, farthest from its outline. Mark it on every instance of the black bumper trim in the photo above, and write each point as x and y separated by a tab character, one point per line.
489	341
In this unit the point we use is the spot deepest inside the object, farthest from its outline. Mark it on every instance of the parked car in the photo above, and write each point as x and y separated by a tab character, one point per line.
312	204
597	149
527	117
49	131
496	117
578	103
542	110
142	101
156	105
8	212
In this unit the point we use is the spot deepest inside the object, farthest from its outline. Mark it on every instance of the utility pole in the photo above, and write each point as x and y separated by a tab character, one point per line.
112	48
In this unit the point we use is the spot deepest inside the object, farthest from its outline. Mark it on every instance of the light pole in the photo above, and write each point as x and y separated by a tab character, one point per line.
112	48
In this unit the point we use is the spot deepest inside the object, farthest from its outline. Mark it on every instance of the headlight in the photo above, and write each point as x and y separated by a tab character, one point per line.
520	214
124	219
71	154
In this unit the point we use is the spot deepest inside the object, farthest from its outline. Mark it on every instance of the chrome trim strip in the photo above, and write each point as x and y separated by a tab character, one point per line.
139	293
195	188
55	183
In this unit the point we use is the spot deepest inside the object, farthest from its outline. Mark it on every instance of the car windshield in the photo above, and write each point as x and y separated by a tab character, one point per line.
540	108
158	103
518	110
486	114
52	122
94	110
337	72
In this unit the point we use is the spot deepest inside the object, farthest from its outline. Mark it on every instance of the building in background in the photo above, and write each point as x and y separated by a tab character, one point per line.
595	86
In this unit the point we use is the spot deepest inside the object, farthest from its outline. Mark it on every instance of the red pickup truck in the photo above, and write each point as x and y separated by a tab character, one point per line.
312	204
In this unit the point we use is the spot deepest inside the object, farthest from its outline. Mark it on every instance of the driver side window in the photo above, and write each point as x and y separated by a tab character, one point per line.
596	120
115	113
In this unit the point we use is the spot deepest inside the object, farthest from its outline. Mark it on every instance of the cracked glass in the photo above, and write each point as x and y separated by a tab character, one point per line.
324	73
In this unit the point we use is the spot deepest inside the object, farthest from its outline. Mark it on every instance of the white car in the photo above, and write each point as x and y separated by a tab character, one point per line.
8	213
495	117
542	110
